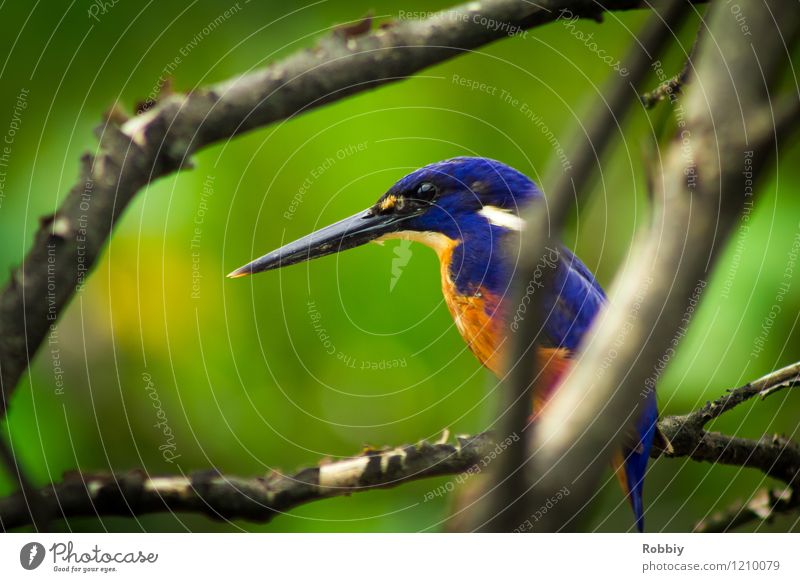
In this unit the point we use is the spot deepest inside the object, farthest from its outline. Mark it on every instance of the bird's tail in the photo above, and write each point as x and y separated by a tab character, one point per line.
630	462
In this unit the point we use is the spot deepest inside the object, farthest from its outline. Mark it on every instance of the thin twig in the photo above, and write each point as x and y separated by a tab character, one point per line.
258	499
787	377
673	85
764	507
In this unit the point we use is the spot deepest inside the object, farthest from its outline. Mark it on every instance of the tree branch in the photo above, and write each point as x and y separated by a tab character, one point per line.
256	499
775	455
787	377
765	506
700	195
673	85
259	499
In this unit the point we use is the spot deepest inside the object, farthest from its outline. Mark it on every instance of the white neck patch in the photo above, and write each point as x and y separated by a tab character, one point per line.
502	217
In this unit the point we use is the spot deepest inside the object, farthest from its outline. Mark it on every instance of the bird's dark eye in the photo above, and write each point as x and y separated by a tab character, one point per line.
426	191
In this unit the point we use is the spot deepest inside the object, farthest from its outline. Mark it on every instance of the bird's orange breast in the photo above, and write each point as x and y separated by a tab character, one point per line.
481	322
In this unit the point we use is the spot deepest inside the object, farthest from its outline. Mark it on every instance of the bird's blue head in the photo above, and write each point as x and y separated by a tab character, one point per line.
456	196
464	203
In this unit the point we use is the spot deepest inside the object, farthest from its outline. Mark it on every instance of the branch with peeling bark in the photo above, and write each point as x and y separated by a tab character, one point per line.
260	499
255	499
672	87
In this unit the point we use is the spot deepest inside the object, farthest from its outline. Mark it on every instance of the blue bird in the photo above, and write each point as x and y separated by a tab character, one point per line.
467	209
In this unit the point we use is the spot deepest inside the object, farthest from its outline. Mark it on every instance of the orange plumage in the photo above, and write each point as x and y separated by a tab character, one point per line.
480	322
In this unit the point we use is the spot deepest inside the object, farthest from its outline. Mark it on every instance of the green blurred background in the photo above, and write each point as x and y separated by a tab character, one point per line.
243	370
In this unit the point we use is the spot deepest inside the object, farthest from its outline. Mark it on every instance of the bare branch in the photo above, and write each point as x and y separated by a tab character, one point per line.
255	499
673	85
764	507
787	377
775	455
259	499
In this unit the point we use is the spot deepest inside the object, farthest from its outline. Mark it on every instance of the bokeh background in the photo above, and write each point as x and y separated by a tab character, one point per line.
278	371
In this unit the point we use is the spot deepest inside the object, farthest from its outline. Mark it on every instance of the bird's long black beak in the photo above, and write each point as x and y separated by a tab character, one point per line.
351	232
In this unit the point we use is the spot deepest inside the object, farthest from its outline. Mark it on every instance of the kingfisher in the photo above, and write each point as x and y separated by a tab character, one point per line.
468	209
